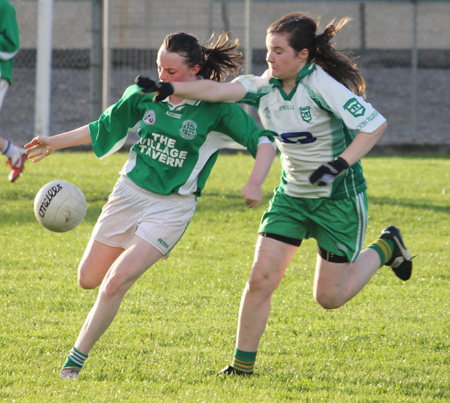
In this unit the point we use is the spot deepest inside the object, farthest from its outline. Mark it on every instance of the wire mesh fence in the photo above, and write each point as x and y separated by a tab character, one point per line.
402	47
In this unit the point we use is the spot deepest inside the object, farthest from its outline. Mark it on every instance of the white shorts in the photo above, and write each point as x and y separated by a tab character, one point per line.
131	210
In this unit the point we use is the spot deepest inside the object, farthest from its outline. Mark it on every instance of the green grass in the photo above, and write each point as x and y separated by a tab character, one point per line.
176	327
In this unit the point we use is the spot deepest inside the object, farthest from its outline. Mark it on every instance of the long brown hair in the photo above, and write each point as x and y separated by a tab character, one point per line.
216	59
302	28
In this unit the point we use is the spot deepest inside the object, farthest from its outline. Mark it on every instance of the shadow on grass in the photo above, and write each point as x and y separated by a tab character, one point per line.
409	203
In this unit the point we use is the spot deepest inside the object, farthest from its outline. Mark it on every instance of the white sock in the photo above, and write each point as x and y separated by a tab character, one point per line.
10	150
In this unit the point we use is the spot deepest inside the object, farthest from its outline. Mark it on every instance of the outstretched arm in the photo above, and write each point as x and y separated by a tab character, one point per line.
203	90
252	191
42	146
209	90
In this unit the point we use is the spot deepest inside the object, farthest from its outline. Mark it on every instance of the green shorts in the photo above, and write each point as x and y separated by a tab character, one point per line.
339	226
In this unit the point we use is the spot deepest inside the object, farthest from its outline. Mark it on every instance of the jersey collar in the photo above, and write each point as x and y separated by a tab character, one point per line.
191	102
182	104
308	68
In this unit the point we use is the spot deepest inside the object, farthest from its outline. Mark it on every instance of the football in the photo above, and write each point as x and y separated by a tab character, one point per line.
60	206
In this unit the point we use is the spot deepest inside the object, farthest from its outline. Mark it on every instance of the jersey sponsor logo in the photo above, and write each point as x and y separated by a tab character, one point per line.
188	130
173	115
367	121
297	137
163	243
286	107
305	113
355	108
149	117
163	149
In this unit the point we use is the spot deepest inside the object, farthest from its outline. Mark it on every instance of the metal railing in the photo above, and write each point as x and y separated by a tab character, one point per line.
403	50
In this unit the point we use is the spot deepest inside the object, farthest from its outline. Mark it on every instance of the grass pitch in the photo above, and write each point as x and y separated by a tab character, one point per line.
176	327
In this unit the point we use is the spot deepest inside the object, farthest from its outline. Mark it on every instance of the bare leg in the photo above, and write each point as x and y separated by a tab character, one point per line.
95	263
271	260
337	283
128	267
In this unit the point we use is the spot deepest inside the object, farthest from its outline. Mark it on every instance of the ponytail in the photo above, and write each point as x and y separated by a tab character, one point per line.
220	59
338	64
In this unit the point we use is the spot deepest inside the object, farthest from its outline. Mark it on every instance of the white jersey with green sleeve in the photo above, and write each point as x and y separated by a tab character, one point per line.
178	144
312	125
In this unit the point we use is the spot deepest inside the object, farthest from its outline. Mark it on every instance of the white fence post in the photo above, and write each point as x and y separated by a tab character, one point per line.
248	38
44	68
97	58
248	67
106	54
415	62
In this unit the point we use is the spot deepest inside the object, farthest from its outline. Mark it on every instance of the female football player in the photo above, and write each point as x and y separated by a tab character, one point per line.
155	197
311	98
9	46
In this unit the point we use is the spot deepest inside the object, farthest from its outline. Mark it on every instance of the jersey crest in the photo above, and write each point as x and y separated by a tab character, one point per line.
305	113
149	117
188	130
354	107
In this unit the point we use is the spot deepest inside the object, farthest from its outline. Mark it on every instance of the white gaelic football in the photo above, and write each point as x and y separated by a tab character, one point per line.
60	206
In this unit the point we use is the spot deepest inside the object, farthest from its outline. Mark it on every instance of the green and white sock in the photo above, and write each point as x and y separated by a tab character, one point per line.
244	360
75	359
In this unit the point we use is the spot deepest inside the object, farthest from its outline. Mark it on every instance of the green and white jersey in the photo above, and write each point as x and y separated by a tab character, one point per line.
9	39
178	144
312	125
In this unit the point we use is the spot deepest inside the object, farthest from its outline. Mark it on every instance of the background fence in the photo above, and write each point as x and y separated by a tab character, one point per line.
403	49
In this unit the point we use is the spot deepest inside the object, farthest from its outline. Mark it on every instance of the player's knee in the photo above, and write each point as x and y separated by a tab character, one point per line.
115	285
257	282
262	281
328	301
87	283
86	279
